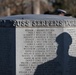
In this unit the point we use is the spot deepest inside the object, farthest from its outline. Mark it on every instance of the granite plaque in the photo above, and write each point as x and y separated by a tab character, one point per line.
38	45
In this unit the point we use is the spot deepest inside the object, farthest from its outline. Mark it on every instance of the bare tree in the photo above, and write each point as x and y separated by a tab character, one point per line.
13	7
36	6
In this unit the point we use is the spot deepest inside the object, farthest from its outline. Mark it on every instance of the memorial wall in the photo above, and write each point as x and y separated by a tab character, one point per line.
39	45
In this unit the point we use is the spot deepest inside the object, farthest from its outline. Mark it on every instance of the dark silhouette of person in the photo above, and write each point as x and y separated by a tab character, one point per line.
63	64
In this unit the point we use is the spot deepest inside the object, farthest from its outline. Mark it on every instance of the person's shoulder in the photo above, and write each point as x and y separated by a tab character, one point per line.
72	61
48	63
72	58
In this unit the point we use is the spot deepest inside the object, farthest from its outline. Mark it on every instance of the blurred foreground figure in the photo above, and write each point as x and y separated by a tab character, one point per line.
63	64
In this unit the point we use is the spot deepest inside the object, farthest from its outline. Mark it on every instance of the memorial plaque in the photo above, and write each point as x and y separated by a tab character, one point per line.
38	45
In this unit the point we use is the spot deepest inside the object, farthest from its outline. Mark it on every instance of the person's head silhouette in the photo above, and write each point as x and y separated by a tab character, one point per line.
64	40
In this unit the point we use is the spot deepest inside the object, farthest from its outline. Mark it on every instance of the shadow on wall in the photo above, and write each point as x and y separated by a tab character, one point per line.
63	64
